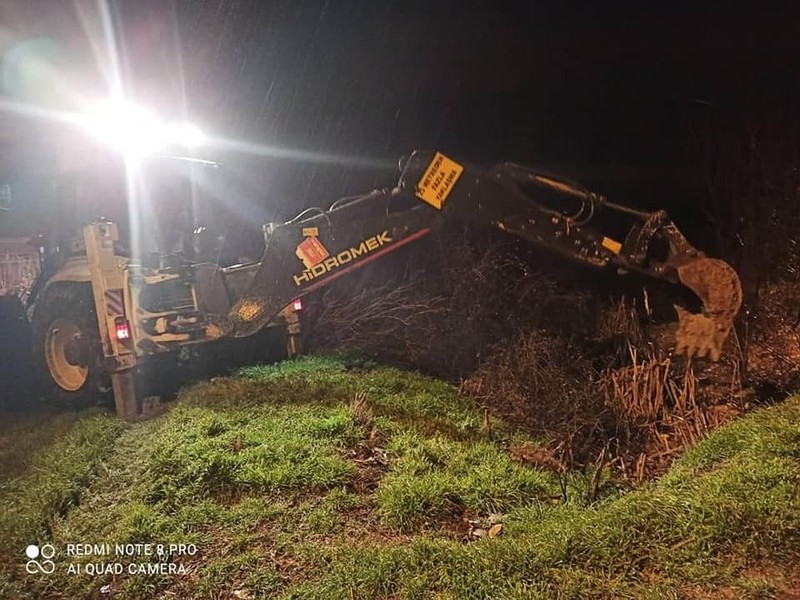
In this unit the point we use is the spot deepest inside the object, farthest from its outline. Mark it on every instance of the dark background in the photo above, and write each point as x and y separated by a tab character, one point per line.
327	95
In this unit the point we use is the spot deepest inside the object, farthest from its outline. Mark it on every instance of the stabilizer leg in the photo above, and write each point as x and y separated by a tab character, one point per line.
125	394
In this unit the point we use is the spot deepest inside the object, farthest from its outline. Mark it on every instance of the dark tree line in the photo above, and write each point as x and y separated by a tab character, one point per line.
748	178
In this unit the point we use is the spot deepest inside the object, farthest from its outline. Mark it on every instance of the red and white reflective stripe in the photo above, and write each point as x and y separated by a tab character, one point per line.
297	304
122	328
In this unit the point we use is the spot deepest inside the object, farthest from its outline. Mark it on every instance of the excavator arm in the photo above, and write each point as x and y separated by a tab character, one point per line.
318	246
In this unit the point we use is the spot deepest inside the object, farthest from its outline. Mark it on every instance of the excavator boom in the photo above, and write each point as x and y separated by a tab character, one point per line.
318	246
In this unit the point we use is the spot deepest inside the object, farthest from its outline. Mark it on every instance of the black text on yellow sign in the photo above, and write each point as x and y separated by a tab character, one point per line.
438	180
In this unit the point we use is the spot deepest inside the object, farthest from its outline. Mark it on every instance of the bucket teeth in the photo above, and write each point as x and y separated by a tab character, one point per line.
718	286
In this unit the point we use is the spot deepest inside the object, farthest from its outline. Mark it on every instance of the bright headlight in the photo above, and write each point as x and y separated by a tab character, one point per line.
132	130
124	127
186	134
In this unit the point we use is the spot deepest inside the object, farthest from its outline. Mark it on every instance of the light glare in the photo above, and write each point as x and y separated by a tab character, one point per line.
124	127
187	134
132	130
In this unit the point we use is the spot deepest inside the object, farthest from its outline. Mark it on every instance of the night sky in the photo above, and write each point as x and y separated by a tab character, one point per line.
606	92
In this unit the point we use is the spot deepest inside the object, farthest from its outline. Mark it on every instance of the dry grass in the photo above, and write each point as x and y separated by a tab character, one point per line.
392	318
774	347
620	320
659	402
543	384
439	309
647	390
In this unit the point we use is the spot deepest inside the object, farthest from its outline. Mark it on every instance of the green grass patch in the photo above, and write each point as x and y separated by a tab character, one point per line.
22	436
290	489
56	477
407	397
201	452
433	477
729	503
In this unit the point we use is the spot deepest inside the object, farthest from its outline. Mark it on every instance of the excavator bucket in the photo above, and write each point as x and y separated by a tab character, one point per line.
718	286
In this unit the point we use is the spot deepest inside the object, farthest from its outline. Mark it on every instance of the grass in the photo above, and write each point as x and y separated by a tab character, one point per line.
291	489
56	477
432	476
21	438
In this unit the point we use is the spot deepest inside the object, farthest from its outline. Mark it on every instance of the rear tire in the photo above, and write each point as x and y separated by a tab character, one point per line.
66	346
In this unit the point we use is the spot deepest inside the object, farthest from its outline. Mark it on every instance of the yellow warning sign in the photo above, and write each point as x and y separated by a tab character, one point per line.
311	231
438	180
612	245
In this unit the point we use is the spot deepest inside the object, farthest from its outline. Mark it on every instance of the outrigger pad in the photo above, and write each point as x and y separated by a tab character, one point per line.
718	286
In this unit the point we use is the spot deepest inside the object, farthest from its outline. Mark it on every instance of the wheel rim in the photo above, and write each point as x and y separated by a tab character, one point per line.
68	376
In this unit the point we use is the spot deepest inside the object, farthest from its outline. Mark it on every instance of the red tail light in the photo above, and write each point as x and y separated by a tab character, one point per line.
122	328
297	304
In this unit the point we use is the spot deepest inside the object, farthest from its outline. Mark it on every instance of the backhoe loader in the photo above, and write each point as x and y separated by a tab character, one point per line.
102	311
